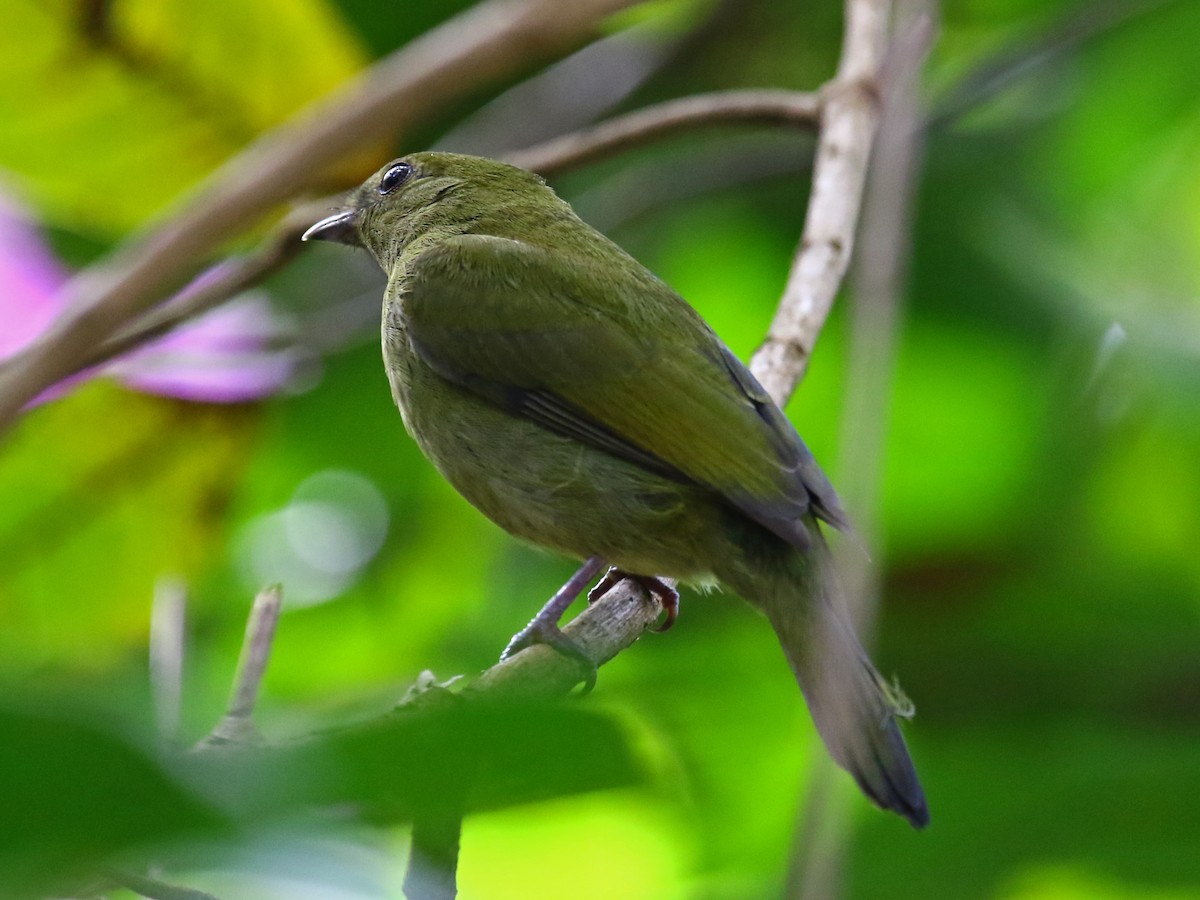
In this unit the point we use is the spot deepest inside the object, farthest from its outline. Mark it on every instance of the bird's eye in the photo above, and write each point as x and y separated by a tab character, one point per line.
394	177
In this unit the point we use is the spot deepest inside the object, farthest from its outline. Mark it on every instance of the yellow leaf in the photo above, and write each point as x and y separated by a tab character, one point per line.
111	110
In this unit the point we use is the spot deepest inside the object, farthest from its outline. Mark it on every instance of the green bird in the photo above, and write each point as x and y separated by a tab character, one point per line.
578	402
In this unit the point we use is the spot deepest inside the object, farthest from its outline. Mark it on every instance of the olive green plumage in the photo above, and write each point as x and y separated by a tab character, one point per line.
582	405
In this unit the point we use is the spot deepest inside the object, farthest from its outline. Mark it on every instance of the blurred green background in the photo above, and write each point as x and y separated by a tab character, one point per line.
1041	504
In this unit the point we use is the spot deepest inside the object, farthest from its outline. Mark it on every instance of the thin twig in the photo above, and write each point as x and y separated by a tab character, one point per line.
489	41
752	107
605	628
238	722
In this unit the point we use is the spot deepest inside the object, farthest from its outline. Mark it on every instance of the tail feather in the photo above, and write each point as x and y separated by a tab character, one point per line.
855	712
853	707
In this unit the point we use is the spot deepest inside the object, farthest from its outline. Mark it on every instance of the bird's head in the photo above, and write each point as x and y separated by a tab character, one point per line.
427	195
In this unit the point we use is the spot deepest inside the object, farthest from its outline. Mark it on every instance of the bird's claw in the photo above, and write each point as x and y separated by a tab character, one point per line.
605	584
658	589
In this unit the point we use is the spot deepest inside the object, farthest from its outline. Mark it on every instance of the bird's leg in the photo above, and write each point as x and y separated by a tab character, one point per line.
543	628
657	588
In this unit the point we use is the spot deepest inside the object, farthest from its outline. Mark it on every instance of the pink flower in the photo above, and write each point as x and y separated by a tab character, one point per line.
235	353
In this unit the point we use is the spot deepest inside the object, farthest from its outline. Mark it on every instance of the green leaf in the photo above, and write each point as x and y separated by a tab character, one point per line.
101	493
449	755
75	795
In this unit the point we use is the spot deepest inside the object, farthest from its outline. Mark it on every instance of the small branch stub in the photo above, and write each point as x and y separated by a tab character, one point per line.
238	726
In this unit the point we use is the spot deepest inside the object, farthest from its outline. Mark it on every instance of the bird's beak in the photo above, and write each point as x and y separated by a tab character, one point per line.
340	227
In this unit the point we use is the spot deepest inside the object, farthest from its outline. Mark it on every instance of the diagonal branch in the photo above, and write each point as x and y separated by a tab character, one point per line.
215	286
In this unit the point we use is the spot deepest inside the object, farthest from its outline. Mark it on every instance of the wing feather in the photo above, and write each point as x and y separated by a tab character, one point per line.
610	356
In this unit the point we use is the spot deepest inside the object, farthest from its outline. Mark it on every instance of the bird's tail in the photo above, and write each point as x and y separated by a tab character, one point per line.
854	708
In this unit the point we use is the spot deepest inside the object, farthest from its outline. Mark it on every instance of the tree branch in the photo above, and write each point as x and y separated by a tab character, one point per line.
215	286
849	117
605	628
752	107
489	41
771	107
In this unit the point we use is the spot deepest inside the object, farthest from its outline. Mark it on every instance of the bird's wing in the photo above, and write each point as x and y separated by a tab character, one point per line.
609	356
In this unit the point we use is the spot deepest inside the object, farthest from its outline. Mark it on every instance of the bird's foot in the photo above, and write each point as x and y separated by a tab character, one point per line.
658	590
543	628
548	633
